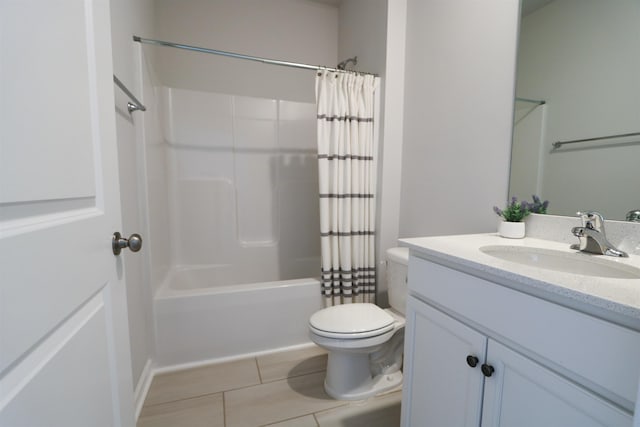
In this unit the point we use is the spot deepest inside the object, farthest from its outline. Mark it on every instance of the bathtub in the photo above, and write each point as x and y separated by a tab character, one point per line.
202	314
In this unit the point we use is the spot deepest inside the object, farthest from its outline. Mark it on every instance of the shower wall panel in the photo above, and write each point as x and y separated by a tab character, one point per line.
255	123
298	189
243	182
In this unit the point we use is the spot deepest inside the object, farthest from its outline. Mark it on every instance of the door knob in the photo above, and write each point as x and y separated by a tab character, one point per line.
134	243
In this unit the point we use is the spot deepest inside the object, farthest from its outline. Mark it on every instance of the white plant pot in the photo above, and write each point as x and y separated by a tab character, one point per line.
511	230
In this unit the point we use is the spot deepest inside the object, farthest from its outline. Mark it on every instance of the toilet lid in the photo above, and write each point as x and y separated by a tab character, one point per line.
347	321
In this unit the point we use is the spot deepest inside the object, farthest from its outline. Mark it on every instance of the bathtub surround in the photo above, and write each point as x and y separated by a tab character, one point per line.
182	172
347	183
243	186
243	221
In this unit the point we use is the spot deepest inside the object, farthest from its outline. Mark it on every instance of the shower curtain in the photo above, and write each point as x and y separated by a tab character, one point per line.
347	184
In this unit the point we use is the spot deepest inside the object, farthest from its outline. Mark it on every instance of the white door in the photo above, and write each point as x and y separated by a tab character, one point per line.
441	388
64	350
525	394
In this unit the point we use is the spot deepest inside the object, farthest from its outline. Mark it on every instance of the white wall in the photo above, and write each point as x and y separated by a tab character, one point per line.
128	18
362	32
389	181
459	90
581	56
290	30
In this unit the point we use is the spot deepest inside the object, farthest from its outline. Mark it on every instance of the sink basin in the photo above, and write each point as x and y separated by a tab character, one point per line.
566	262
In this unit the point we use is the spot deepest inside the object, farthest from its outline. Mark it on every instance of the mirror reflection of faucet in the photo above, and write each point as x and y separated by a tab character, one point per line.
633	215
592	236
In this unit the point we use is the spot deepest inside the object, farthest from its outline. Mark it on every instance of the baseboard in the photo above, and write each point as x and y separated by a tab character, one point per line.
190	365
142	388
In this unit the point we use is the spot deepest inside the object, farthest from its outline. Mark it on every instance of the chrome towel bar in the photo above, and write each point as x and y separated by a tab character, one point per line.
131	106
559	144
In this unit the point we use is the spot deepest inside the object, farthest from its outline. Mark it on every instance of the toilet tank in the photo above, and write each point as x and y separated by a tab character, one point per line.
397	266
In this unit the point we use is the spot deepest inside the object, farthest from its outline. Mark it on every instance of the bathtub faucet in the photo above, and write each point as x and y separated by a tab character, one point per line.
592	237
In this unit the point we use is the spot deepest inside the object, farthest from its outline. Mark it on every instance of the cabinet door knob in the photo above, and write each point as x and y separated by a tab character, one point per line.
472	361
487	370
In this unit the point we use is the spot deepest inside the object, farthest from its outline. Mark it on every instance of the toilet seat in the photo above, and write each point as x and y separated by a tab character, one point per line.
351	321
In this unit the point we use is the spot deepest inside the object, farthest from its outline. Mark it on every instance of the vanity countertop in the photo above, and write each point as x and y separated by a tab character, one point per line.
612	299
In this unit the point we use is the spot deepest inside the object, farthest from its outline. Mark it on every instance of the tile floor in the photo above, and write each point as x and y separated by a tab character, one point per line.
283	389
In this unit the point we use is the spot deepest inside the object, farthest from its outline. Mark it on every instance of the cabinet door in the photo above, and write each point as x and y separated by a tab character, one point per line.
440	388
523	393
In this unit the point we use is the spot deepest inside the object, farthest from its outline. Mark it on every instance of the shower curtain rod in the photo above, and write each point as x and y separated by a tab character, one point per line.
240	56
533	101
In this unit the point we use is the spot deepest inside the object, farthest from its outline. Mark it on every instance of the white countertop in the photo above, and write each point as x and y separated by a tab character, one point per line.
616	300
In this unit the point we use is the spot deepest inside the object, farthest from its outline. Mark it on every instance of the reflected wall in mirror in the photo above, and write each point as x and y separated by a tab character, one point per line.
582	57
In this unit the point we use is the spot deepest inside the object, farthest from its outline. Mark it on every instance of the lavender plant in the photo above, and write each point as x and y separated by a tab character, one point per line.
514	212
537	206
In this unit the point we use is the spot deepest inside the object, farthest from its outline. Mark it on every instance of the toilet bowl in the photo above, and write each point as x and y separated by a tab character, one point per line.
364	341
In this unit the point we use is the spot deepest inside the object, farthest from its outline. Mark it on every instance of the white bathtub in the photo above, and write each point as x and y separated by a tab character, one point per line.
202	316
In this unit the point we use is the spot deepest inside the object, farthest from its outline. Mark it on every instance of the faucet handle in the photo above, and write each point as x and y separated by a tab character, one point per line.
592	220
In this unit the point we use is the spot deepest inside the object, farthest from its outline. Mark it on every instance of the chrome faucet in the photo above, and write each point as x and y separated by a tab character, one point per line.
633	215
592	237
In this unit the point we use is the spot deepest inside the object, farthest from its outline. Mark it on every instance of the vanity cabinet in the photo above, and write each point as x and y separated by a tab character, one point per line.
440	389
480	354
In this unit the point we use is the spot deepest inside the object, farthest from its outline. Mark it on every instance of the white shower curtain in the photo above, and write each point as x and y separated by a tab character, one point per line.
347	175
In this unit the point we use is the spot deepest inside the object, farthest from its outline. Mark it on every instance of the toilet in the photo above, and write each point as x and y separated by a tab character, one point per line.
364	341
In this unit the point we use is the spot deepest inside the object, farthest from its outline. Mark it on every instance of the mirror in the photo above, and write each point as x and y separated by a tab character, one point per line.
582	58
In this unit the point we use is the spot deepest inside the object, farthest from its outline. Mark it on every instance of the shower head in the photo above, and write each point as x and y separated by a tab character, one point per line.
343	64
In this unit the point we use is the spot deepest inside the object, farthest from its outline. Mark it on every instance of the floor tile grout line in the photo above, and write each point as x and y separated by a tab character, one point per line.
258	369
198	396
224	409
293	376
271	382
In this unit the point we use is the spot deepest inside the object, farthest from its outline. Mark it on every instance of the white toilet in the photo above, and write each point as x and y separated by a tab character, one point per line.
365	342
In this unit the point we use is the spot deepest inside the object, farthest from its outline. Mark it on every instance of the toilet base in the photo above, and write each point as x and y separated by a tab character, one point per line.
349	377
376	385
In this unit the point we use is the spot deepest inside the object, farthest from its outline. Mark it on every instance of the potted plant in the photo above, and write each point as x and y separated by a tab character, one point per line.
512	225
